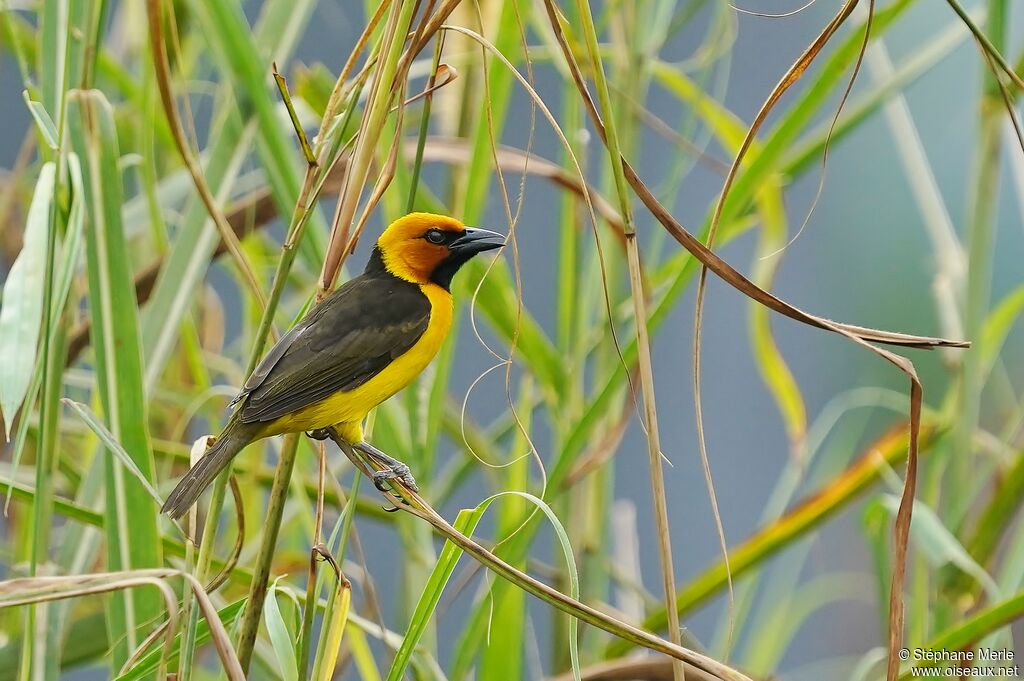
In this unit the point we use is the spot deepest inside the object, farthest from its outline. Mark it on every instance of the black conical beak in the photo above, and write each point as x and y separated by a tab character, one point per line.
476	240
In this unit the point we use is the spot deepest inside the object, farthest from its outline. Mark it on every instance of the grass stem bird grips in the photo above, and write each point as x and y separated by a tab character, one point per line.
359	346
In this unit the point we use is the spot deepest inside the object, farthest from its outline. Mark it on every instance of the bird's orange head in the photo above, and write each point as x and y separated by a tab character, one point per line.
427	248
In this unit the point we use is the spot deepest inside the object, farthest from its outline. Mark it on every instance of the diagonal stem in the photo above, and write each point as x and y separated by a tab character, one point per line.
406	500
268	544
163	78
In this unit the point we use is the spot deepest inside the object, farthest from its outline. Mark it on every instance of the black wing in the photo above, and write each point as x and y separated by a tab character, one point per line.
346	340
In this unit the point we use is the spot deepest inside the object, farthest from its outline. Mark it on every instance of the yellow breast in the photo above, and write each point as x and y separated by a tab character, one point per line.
347	410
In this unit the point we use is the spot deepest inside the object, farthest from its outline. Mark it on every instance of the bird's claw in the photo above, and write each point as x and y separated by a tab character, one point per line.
395	471
319	434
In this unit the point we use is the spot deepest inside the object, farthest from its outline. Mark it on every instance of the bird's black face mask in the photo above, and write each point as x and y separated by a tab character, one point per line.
462	246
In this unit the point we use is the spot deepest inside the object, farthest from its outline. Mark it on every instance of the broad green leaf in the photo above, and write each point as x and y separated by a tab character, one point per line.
280	637
998	325
71	248
21	312
131	516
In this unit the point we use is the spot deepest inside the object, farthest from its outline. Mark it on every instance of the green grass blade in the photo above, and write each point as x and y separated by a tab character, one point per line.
242	54
131	517
280	637
53	51
940	546
44	122
820	506
152	660
113	446
490	119
973	629
465	522
808	151
193	247
503	656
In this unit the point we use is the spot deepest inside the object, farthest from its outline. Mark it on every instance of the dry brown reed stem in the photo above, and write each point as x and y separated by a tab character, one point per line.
791	76
715	263
370	127
28	590
205	557
645	668
162	70
253	609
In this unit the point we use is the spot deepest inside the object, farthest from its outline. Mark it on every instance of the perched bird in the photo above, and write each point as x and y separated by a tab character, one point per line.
356	348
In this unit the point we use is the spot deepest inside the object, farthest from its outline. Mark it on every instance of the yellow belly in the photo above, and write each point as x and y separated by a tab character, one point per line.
347	410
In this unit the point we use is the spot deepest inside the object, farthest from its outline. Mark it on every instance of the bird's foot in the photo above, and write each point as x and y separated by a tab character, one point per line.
319	433
395	469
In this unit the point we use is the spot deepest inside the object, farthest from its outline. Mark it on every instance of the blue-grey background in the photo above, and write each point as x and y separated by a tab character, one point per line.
864	258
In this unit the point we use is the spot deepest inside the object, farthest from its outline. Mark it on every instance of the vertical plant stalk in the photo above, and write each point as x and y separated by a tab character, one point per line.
421	141
130	515
253	611
643	341
318	553
202	568
990	47
308	611
53	339
983	203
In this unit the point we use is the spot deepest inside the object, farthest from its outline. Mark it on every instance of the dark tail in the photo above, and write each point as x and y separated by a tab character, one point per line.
231	441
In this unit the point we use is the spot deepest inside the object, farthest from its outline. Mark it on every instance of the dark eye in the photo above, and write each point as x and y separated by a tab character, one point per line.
434	236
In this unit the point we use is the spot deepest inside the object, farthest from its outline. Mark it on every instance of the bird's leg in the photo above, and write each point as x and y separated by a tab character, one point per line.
395	468
319	433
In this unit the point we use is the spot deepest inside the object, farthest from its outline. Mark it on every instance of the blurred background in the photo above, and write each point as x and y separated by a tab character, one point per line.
912	224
